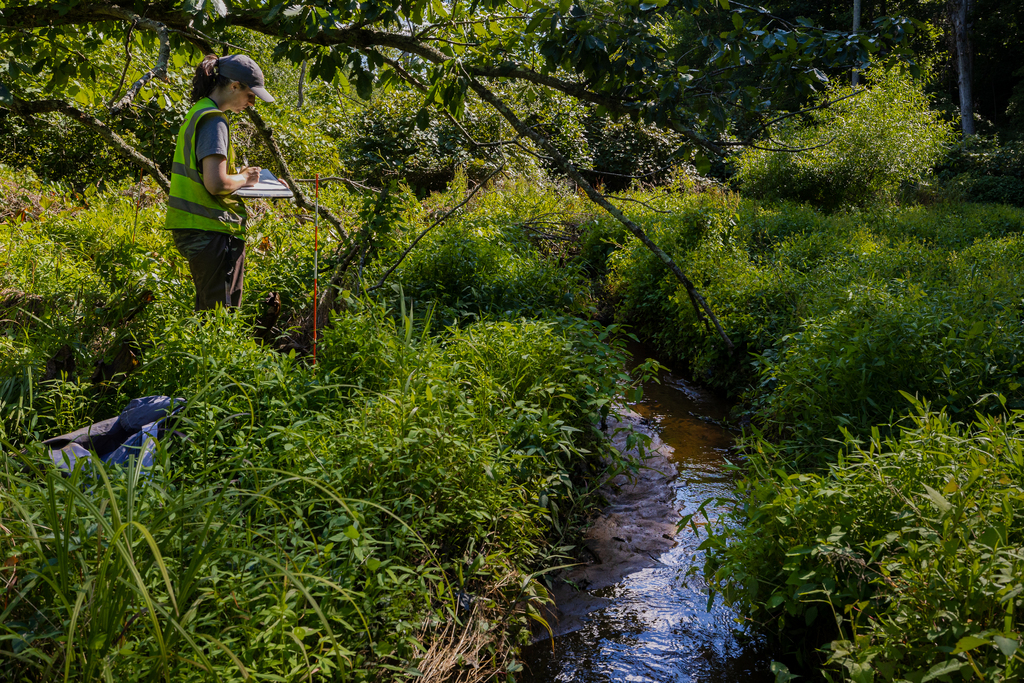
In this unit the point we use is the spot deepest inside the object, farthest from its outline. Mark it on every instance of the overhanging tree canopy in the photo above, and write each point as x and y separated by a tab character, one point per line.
623	56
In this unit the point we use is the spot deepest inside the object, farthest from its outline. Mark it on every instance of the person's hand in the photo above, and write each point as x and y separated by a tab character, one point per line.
252	175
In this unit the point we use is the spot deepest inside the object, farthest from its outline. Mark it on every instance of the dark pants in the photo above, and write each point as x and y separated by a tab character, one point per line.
217	263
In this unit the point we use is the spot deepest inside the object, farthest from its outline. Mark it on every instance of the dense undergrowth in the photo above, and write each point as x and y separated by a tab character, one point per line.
381	513
442	450
882	534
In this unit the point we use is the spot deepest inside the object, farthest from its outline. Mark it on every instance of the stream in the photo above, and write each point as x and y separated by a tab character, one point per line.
652	624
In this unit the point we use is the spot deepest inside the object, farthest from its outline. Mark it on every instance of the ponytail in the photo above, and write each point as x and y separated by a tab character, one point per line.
207	78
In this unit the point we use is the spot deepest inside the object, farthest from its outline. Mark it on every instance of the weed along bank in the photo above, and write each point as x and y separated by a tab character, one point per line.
357	385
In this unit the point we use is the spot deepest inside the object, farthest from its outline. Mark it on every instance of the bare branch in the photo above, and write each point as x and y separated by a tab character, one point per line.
302	85
698	140
700	305
23	107
636	201
442	219
127	63
159	70
338	179
793	150
301	200
783	117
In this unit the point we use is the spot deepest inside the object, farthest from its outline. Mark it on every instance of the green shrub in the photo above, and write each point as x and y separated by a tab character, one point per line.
906	553
858	151
984	170
488	261
832	314
848	367
316	520
624	149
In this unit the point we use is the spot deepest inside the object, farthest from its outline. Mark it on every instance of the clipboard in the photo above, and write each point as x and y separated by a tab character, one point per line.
268	187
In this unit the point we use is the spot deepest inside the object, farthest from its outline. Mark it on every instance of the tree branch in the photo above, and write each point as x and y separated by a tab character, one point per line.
282	170
127	63
23	107
338	179
357	37
782	117
159	70
700	305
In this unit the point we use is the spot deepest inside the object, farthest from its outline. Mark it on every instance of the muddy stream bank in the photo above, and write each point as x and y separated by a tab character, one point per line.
632	613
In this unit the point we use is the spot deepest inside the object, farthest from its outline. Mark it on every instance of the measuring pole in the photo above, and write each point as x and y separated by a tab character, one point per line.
138	198
316	264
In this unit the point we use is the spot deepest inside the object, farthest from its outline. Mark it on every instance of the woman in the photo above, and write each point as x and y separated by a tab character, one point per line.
208	224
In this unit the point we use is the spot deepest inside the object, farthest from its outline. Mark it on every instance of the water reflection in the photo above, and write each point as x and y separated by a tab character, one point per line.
657	627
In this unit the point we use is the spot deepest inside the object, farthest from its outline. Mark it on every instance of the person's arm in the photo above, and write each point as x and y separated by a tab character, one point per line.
217	179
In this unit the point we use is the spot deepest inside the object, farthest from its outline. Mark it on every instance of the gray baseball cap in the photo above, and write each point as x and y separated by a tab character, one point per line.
242	69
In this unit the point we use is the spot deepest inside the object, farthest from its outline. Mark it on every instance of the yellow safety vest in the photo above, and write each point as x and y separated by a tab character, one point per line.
190	205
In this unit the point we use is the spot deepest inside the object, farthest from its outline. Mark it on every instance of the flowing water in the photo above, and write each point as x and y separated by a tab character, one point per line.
654	624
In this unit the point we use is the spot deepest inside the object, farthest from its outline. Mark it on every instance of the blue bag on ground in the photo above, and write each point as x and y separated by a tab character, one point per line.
128	436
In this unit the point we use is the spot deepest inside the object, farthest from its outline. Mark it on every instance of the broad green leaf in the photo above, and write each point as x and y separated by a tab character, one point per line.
861	672
5	95
423	119
438	8
942	669
702	164
364	85
1008	646
782	673
219	7
937	498
969	643
273	12
536	21
991	538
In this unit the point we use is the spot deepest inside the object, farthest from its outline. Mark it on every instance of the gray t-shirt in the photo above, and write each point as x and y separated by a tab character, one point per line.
211	138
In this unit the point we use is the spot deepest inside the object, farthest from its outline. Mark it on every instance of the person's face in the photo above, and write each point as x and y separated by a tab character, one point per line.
240	97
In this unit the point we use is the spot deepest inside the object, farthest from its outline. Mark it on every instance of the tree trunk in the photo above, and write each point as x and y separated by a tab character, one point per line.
856	27
302	84
960	15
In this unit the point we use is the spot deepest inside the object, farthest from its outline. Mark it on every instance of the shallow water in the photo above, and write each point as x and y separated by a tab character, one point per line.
655	626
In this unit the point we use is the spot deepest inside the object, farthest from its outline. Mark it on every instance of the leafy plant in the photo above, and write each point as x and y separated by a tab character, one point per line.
859	150
905	553
324	521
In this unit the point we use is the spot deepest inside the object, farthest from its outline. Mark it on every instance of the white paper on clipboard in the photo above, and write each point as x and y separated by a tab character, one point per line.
268	186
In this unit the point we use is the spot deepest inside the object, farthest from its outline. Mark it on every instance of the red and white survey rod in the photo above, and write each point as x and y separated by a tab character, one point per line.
316	253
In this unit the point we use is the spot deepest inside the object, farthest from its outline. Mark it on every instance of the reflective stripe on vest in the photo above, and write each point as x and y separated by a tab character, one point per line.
190	205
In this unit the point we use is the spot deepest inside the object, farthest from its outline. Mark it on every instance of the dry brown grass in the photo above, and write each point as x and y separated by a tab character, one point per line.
479	646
